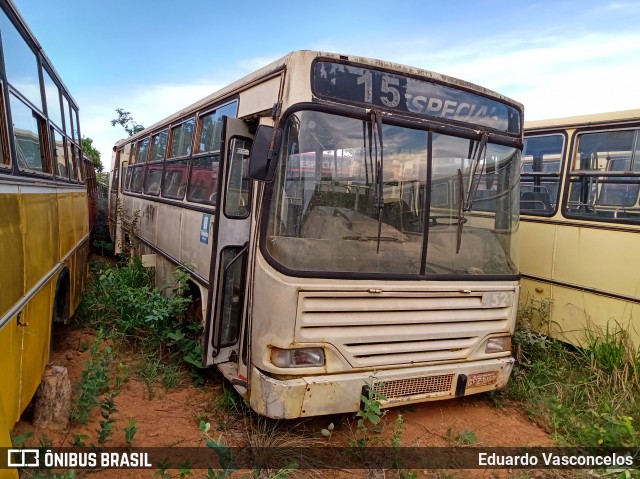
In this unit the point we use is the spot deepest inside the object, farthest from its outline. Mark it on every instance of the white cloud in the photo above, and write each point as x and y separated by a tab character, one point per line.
551	76
148	104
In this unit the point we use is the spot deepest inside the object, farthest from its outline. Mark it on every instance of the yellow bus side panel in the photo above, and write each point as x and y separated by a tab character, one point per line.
573	311
11	264
78	265
36	340
10	346
5	441
536	248
66	223
38	223
598	259
591	258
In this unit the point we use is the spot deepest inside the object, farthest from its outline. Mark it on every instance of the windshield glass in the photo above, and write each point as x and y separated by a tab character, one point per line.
326	213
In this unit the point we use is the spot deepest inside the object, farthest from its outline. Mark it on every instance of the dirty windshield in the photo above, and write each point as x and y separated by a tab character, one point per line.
353	198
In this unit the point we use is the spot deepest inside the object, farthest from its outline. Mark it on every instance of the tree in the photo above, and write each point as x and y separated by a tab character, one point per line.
127	122
89	150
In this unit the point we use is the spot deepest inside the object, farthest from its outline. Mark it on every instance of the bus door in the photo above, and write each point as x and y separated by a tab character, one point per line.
225	325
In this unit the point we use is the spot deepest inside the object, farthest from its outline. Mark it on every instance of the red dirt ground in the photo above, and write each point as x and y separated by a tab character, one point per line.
171	418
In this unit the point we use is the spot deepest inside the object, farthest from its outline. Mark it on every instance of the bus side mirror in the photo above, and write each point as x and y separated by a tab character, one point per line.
264	153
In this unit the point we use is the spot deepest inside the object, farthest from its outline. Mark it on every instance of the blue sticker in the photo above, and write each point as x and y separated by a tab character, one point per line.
204	228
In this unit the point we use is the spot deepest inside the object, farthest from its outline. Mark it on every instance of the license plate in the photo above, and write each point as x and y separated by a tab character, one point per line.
481	379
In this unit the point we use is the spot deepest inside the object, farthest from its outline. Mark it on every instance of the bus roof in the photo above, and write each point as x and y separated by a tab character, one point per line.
307	57
584	120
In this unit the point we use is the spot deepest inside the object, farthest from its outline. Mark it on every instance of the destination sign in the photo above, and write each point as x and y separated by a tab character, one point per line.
397	92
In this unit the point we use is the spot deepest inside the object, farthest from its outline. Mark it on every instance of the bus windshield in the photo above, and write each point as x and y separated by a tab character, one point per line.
332	211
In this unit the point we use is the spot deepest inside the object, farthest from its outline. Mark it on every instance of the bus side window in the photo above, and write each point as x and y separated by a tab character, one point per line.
203	184
238	185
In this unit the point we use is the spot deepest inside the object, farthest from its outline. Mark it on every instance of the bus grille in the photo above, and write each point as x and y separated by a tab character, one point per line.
390	329
403	388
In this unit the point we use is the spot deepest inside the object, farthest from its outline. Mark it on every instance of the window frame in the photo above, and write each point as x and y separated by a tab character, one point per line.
560	175
599	175
43	137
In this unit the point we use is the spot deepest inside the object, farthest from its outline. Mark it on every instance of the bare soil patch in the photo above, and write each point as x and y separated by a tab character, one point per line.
171	418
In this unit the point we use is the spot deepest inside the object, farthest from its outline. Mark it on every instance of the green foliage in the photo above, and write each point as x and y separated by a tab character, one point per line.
130	431
123	301
21	439
584	396
107	411
610	350
369	415
79	440
94	380
464	438
127	122
611	430
89	150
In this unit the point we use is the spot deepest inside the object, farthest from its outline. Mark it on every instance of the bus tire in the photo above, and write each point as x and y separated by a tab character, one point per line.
62	301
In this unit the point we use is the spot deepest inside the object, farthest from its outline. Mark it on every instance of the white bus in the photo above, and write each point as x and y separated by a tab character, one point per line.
349	224
580	223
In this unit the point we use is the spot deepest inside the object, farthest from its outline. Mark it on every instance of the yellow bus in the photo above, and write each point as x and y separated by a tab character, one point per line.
580	219
43	213
349	225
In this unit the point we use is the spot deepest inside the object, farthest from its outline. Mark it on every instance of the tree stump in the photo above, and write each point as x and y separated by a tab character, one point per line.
53	399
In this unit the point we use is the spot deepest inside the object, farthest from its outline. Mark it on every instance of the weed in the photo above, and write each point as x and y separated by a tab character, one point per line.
107	411
369	415
93	381
130	431
150	320
21	439
79	440
161	472
328	431
584	396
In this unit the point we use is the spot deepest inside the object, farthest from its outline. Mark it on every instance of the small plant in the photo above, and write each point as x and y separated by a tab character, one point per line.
161	472
225	456
130	431
21	439
328	431
79	440
369	415
464	438
611	430
93	381
107	411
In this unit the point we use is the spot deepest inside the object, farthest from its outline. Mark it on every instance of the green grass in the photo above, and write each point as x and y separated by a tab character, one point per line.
587	396
122	301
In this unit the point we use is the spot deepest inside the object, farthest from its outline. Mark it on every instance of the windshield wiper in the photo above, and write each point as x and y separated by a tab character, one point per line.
465	201
376	136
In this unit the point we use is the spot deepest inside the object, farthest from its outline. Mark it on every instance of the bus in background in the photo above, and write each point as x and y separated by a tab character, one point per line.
43	213
580	223
324	206
93	192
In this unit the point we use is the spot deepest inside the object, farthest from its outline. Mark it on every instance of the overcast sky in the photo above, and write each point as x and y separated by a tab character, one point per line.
558	58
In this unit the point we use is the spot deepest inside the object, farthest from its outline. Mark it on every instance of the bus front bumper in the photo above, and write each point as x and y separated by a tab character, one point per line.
340	393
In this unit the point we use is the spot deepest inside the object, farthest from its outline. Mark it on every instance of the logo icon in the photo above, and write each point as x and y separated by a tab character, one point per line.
23	458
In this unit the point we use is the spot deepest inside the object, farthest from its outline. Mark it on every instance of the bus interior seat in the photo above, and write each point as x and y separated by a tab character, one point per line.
535	201
618	195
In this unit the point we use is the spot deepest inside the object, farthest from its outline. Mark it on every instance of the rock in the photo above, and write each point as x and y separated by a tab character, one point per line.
53	399
69	355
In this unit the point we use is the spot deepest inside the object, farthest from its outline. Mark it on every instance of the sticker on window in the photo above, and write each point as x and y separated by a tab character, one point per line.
205	227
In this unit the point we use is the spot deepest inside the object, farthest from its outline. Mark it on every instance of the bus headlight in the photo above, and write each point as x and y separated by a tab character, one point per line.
297	358
498	345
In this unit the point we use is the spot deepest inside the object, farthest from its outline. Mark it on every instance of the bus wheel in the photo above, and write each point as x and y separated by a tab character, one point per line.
61	304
